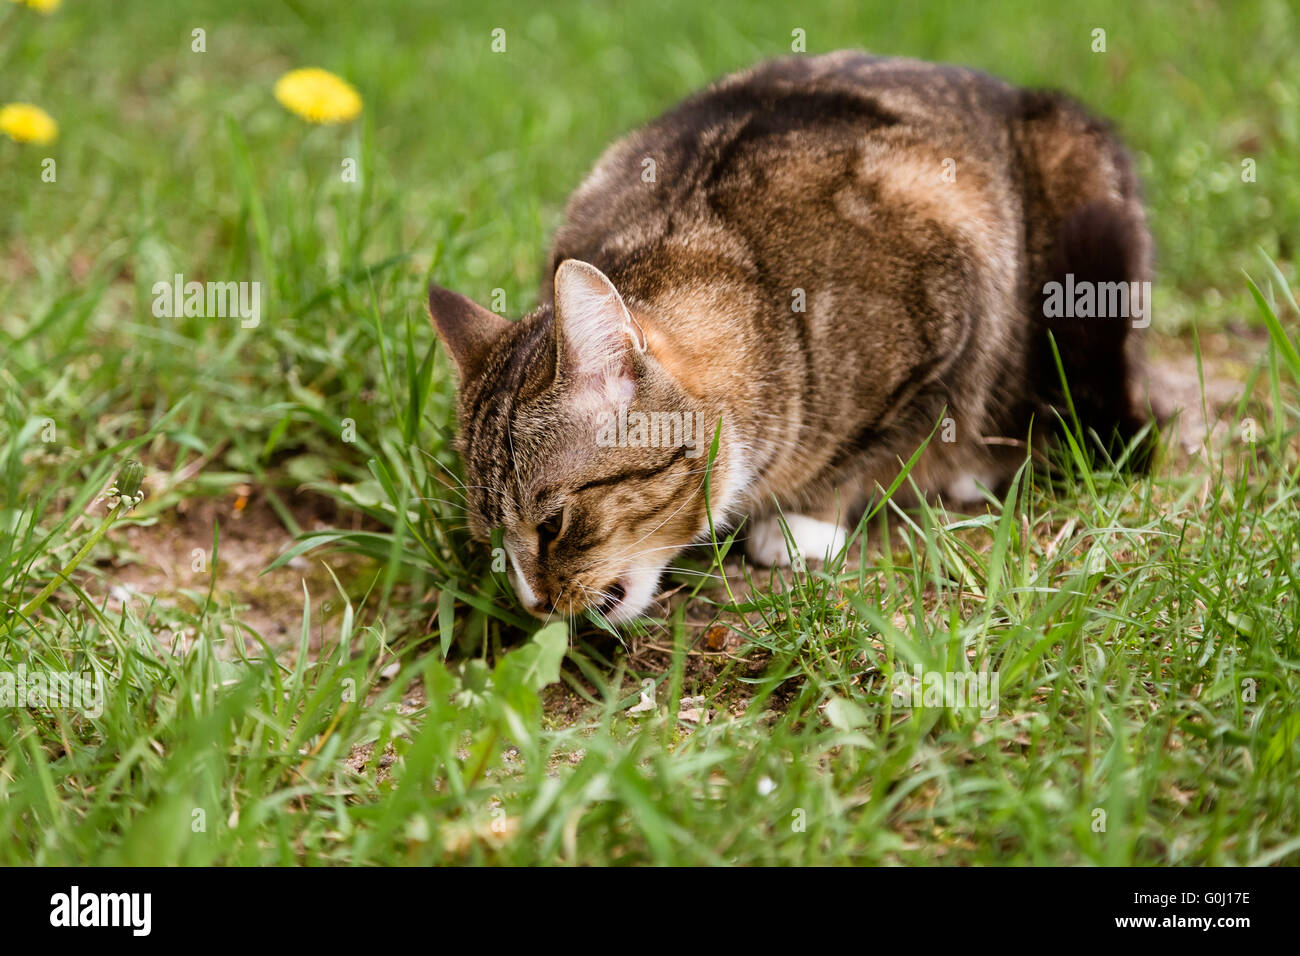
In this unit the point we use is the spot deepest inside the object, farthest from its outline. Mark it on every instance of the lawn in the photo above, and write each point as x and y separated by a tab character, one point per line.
293	654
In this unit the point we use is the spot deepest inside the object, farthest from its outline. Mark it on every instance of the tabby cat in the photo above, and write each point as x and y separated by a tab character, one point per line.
819	261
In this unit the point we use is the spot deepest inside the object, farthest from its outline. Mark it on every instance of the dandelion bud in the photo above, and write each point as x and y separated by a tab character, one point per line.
129	478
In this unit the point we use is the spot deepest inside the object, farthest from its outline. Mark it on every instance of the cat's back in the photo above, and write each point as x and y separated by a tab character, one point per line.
733	157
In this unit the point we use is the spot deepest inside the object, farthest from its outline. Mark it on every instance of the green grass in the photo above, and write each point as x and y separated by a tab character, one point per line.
1146	633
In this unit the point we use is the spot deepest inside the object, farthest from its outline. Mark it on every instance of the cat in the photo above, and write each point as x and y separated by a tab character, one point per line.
817	261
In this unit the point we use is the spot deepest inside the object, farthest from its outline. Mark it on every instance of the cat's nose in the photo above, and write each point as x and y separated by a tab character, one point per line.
535	600
540	604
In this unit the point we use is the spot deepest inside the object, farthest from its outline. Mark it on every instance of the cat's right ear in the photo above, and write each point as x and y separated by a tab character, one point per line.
596	333
465	327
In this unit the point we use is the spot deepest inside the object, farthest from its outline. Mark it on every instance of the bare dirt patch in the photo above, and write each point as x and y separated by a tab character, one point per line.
1227	357
171	559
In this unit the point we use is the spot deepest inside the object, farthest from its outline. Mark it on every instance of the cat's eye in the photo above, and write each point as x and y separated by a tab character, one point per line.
550	529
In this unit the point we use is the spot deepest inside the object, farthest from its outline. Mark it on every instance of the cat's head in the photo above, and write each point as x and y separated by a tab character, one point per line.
578	444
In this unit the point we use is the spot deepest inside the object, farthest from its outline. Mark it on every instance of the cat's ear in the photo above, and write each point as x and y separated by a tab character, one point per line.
597	335
465	327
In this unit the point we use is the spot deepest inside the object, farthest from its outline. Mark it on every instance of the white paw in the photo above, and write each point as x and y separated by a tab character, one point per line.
966	488
813	540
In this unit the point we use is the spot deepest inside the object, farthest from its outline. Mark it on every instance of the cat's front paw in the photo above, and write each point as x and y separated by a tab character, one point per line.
813	540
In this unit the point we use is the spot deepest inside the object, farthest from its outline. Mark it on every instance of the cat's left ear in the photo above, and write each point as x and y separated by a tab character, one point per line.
466	328
597	336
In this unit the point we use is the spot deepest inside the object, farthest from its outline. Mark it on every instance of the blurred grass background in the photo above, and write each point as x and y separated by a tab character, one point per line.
467	155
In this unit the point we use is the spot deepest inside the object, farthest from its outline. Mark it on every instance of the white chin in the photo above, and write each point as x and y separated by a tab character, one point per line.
641	585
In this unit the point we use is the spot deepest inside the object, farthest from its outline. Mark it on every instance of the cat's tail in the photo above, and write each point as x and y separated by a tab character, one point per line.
1088	270
1094	306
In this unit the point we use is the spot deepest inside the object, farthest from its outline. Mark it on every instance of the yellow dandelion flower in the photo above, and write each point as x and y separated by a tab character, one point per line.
27	123
44	6
318	96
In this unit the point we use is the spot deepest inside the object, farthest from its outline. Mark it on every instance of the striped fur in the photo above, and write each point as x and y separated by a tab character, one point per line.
915	211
